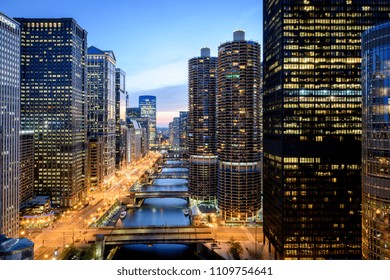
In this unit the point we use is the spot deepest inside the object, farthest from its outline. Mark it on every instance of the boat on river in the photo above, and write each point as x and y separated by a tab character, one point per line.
123	214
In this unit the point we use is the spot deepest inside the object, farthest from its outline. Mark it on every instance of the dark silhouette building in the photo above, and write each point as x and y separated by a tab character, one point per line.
312	125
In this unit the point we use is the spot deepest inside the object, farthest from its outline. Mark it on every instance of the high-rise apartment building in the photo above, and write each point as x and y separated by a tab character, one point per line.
53	104
376	143
101	104
9	125
26	173
147	105
312	125
202	126
120	117
238	128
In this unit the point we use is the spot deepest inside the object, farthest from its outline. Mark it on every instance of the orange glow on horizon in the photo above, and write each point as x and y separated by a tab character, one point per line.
164	118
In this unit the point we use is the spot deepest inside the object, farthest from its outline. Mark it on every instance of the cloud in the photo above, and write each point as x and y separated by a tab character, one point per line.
165	75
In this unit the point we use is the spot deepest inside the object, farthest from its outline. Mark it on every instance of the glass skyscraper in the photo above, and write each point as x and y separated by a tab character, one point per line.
376	142
202	126
120	117
238	128
101	104
312	125
53	104
147	106
26	173
9	125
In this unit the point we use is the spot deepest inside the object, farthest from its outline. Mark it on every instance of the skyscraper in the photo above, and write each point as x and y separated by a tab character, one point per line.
183	115
53	105
101	104
312	125
376	142
147	105
9	125
120	117
202	126
26	173
238	128
175	132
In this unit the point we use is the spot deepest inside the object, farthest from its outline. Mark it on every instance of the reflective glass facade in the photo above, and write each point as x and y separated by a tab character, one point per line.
120	117
26	181
376	142
9	125
238	128
202	126
101	104
53	105
312	125
147	105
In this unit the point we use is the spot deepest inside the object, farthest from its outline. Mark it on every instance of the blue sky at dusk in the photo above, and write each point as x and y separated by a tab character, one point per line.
152	39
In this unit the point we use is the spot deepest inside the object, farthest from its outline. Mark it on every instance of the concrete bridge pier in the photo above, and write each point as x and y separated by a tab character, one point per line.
100	245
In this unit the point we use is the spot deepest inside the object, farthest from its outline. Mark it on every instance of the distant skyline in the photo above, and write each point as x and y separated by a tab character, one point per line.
153	39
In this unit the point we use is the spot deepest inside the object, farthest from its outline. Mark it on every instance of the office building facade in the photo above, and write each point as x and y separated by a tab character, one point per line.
9	125
94	174
183	129
53	105
202	126
120	117
376	143
26	181
312	125
148	109
238	128
101	104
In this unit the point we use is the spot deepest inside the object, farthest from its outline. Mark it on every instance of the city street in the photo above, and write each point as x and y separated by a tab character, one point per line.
71	227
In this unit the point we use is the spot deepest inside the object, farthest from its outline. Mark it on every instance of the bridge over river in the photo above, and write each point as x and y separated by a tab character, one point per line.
168	175
153	235
162	194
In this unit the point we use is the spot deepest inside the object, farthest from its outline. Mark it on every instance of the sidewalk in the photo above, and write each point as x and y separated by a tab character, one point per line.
246	237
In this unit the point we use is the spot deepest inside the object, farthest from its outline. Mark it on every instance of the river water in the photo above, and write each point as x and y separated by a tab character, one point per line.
158	212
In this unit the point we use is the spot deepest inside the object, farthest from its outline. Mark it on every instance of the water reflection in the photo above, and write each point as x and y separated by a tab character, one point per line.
157	212
174	170
175	162
169	182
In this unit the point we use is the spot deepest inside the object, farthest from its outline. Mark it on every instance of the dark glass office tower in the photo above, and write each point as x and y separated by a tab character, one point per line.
238	128
9	125
312	125
202	126
101	104
120	117
376	142
53	104
148	109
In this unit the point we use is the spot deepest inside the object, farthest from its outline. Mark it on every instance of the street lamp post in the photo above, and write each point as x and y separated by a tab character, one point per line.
255	238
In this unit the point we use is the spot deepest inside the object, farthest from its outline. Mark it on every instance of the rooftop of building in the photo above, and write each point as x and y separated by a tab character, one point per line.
14	244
